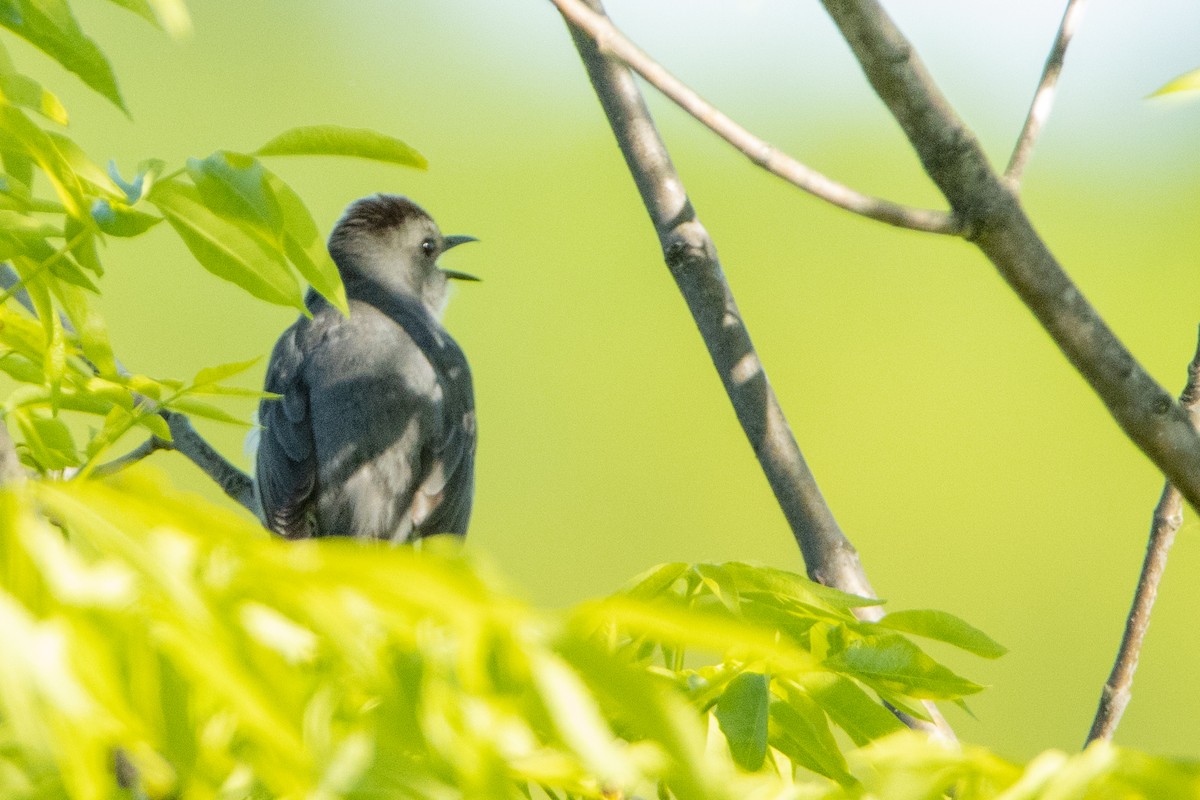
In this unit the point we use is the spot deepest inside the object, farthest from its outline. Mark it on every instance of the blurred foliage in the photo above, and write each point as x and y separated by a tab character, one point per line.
157	646
1187	82
149	628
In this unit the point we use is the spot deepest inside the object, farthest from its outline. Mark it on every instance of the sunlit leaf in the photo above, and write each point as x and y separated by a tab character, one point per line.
334	140
170	15
118	219
196	408
49	440
21	90
216	374
944	627
657	580
800	730
51	27
851	708
305	247
89	327
235	186
41	148
1187	82
894	663
225	248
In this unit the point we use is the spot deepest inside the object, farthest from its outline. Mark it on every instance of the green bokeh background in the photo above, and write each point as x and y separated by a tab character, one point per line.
972	468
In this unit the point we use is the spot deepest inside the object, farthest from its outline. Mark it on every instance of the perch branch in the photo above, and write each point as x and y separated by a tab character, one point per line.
144	450
692	260
1168	516
1043	98
997	224
609	41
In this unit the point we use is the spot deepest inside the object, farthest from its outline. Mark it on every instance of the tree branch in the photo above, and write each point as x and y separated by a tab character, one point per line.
998	225
11	470
609	41
692	260
1168	516
233	481
1043	98
144	450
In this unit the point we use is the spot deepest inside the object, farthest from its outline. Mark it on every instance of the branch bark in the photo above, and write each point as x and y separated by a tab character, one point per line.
1043	98
996	223
10	464
1168	516
609	40
692	260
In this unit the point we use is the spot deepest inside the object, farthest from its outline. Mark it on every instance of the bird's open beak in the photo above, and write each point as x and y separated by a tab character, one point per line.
455	241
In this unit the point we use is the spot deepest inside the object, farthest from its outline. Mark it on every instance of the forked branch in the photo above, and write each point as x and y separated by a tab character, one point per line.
609	40
1168	516
998	225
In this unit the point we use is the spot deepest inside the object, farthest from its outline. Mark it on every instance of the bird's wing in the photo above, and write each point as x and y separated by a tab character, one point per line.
286	469
442	501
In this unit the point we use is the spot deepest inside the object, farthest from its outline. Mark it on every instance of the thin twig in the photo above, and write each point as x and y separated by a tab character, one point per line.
1168	516
1043	98
998	225
144	450
692	259
611	42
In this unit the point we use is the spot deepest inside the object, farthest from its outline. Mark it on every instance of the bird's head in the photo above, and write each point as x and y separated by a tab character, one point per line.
387	244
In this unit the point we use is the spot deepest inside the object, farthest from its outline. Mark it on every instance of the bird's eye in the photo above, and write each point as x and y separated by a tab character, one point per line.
429	246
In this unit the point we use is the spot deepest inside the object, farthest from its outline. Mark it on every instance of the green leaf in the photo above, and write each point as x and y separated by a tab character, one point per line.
210	375
42	149
578	718
19	167
50	26
717	580
139	7
235	186
1187	82
742	714
304	246
334	140
196	408
21	90
797	587
118	219
800	730
891	662
82	242
656	581
170	15
944	627
851	708
89	327
49	441
224	248
87	171
26	227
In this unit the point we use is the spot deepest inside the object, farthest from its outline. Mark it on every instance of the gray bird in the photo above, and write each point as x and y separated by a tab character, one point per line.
374	435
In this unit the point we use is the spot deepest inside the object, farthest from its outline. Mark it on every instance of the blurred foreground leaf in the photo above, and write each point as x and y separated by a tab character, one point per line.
1187	82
